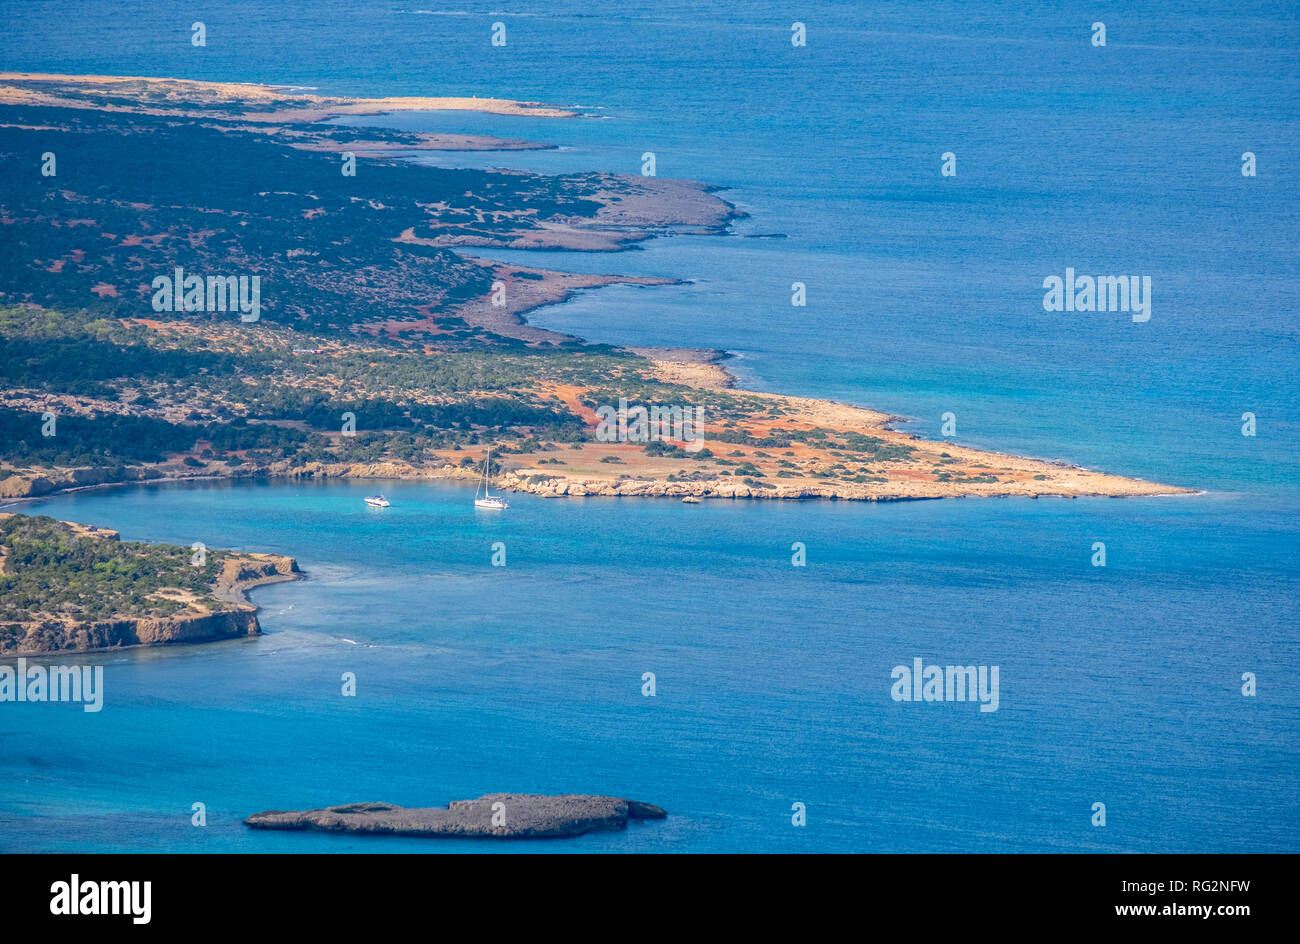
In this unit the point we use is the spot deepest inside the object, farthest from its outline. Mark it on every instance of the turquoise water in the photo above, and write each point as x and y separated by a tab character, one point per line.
1118	685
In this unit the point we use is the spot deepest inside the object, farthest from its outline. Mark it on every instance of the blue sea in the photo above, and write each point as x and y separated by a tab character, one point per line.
1119	685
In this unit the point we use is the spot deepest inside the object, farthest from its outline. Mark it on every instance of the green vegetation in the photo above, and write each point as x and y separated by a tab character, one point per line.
136	195
124	393
112	440
51	571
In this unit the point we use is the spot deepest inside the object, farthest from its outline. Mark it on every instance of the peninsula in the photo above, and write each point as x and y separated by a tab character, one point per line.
381	349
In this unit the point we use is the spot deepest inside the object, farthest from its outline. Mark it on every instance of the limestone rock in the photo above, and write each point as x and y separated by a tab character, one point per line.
493	816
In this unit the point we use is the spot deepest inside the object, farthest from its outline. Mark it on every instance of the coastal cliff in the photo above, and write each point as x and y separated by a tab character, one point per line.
84	635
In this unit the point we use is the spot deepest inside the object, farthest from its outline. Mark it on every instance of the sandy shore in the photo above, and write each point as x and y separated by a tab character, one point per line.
283	103
285	112
688	366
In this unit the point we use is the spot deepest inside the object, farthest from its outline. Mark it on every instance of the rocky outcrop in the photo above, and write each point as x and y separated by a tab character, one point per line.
34	483
242	571
559	486
493	816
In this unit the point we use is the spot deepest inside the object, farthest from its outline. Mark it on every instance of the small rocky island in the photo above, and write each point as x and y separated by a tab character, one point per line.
493	816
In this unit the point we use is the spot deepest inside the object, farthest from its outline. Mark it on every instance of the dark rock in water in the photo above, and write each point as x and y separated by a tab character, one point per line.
494	816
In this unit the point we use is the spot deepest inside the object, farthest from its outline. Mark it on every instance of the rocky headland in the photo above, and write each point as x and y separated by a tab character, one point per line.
184	603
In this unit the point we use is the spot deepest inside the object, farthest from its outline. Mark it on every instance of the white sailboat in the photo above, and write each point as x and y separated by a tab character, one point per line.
488	500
